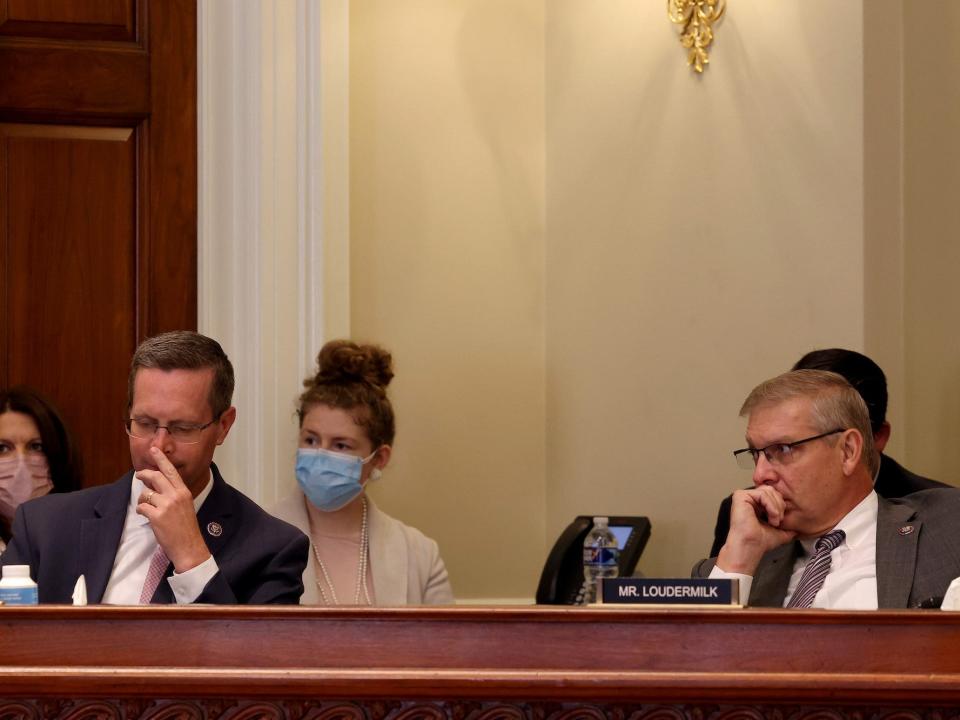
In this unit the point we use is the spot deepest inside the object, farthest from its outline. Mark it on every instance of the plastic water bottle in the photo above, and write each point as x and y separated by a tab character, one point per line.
601	555
16	587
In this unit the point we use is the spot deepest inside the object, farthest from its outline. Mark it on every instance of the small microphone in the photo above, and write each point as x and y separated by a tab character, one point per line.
931	603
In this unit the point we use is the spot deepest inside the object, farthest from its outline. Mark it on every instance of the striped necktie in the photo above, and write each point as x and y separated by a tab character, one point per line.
816	570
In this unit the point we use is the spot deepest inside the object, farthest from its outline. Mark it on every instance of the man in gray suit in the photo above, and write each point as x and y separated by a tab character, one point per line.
892	480
812	532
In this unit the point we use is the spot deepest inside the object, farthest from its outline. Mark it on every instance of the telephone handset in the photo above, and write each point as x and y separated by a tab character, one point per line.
561	582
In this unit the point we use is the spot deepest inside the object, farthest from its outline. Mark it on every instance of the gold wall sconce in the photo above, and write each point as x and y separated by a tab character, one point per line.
696	18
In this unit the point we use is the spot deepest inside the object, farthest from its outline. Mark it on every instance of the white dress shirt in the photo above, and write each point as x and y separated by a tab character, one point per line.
852	581
137	546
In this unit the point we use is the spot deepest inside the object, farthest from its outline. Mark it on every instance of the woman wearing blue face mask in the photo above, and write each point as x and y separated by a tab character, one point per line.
360	555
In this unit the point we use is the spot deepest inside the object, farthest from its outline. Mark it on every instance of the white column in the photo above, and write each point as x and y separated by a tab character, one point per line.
263	265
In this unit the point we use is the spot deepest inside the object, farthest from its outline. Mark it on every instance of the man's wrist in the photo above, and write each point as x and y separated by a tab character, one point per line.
195	556
188	586
738	559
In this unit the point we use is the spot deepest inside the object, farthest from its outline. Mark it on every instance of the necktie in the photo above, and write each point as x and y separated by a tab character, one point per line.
155	573
816	570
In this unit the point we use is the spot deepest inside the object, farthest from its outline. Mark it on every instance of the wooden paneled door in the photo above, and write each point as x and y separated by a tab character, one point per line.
98	201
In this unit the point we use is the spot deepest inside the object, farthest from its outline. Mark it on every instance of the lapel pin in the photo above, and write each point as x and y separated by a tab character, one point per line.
216	529
906	530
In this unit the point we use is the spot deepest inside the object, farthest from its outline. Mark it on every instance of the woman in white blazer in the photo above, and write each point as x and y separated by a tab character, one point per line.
359	554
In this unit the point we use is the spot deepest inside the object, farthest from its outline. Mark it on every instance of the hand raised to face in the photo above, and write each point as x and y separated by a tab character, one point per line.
168	504
755	518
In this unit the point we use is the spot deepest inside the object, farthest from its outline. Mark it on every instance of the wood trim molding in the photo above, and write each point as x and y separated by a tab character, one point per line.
477	664
68	132
264	186
330	61
234	709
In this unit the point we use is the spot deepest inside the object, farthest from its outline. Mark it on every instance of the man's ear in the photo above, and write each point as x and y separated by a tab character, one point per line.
225	423
851	443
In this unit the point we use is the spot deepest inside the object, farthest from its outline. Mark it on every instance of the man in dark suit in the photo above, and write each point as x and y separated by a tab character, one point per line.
171	530
812	532
866	377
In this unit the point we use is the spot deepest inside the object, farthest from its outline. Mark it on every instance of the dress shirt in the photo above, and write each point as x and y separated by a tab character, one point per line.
852	581
137	546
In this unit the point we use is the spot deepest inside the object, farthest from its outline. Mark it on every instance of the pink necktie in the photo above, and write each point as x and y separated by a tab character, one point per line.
155	573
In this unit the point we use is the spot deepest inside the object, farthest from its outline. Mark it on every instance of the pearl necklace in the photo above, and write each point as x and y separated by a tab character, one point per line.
361	569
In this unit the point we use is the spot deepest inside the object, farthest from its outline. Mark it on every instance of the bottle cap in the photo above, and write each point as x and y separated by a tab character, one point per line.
18	571
601	520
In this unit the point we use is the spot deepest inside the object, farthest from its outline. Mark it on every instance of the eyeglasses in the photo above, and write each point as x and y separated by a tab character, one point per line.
186	433
777	453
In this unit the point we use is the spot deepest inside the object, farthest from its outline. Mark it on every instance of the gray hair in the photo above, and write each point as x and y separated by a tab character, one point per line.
835	404
186	350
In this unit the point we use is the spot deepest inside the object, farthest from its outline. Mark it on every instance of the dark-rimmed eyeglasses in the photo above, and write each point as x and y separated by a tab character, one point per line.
186	433
777	453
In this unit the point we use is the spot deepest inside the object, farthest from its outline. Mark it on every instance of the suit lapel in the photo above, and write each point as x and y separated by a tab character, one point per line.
215	516
100	537
772	576
898	532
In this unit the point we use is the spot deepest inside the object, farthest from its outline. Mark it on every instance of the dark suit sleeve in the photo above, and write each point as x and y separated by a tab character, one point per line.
722	528
277	581
703	568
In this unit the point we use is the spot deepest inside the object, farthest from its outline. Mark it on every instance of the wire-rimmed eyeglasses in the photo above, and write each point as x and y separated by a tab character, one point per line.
186	433
775	453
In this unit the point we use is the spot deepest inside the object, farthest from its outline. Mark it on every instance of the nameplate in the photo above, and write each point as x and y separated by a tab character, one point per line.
670	591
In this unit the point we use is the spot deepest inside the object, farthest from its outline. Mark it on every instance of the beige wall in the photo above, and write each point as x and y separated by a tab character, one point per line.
702	233
583	256
447	270
931	171
883	204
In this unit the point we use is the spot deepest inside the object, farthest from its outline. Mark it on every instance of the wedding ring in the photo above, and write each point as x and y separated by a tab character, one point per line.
149	496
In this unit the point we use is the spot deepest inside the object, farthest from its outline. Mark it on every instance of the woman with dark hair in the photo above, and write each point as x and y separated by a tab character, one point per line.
361	555
36	454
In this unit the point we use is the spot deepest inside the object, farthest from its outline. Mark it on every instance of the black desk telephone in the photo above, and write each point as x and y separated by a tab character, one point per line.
561	582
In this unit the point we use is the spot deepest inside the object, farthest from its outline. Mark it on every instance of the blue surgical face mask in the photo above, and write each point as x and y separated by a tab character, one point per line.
330	480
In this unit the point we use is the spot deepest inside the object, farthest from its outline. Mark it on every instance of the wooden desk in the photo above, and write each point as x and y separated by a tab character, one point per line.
476	664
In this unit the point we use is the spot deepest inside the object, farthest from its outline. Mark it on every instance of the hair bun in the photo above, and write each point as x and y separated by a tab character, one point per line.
344	361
